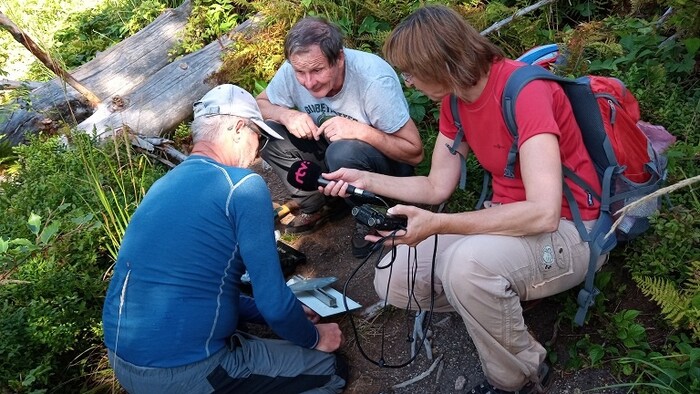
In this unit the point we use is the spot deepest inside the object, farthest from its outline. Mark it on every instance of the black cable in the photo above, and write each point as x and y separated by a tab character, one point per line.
381	362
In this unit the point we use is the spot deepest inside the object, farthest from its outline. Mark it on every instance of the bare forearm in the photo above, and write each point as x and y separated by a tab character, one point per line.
414	189
271	111
395	147
515	219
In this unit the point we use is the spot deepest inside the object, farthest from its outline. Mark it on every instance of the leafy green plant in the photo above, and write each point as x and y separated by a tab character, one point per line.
209	20
584	353
631	334
52	265
56	291
44	312
419	105
40	20
7	156
641	45
669	247
14	251
94	30
674	372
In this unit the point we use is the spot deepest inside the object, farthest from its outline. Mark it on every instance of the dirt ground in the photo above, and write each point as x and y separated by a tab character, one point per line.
455	365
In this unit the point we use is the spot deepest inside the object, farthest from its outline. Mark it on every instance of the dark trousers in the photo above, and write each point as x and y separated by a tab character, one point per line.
281	154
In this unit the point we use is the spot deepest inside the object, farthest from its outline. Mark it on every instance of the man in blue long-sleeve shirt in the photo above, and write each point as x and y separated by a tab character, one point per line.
173	304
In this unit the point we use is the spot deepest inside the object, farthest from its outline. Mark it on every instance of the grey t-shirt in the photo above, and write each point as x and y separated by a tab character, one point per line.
371	93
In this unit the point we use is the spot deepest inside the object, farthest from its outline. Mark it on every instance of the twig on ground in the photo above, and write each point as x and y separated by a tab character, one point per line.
443	322
373	309
439	372
420	377
13	282
496	26
555	333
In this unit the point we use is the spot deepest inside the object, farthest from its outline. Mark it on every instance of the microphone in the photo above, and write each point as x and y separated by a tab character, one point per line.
306	175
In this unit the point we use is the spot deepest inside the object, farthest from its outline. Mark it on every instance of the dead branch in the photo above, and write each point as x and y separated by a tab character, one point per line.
13	282
46	59
498	25
663	191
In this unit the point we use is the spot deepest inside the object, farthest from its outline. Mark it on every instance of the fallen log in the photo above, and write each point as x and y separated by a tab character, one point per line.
165	99
115	72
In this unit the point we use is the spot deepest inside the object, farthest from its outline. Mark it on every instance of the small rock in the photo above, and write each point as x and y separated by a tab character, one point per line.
460	383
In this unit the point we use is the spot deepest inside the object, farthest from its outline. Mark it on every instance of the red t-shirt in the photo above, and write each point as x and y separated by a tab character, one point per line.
542	107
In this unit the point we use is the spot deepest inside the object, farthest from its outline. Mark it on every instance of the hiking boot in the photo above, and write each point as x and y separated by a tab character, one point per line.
305	223
541	386
361	248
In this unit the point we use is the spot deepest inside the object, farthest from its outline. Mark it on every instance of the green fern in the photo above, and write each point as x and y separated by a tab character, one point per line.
681	307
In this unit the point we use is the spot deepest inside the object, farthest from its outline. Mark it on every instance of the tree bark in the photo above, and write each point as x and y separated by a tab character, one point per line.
112	75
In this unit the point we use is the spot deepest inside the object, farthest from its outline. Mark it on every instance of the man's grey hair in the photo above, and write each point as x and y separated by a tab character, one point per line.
311	31
211	128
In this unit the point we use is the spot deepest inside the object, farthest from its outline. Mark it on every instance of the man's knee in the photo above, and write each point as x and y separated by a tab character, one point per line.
352	154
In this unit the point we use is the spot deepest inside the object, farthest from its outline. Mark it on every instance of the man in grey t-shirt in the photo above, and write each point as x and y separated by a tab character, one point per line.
336	107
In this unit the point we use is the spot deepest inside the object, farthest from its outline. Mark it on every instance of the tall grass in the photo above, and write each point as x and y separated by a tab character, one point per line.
119	181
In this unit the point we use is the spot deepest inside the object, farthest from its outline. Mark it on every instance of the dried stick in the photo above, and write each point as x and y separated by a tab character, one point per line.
45	58
521	12
660	192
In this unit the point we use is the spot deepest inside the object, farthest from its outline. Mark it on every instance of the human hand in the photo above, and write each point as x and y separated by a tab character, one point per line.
330	338
311	315
421	224
339	128
339	181
300	124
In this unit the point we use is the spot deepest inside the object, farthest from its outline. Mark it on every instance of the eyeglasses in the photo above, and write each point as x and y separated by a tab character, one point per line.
262	138
408	78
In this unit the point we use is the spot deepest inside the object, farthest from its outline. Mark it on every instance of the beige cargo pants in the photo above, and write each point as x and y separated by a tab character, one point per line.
484	278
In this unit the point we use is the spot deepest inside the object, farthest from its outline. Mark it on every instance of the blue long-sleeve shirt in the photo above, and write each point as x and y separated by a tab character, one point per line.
174	297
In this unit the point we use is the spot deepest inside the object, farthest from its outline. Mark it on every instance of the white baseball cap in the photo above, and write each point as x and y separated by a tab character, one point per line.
230	99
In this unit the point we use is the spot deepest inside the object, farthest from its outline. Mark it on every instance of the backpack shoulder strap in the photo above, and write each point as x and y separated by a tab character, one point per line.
458	140
516	82
453	149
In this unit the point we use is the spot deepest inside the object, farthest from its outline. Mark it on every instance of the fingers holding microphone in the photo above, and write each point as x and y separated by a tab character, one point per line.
337	188
307	176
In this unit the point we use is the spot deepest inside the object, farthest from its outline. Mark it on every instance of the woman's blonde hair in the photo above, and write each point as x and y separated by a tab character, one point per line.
437	45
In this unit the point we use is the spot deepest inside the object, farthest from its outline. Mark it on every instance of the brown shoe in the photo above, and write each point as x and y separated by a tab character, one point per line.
305	223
